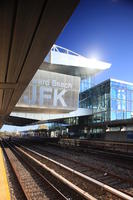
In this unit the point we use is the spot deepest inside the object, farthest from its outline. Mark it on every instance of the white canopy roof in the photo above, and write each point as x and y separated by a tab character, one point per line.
61	60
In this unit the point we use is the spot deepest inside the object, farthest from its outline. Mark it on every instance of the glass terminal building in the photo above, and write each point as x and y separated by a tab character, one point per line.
110	100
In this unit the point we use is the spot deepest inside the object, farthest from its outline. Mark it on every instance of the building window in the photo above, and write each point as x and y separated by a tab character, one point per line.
114	93
129	115
120	115
113	115
113	104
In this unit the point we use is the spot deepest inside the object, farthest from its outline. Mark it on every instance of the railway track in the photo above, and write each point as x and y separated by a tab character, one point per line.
75	158
95	188
38	181
123	183
104	153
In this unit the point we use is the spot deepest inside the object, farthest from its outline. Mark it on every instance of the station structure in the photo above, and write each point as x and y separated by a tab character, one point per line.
65	72
92	109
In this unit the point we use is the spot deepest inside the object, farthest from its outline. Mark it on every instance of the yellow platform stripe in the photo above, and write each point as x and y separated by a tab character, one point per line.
4	187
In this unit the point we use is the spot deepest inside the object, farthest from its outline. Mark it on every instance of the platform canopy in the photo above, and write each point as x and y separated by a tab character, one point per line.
28	29
65	61
19	121
50	117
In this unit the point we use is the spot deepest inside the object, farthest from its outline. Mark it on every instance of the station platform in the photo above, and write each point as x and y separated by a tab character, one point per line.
4	187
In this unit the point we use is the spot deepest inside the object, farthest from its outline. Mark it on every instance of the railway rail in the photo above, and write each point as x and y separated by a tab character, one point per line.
113	179
95	188
102	154
40	182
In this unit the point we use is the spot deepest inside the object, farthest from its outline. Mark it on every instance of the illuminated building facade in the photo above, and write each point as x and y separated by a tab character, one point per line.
110	100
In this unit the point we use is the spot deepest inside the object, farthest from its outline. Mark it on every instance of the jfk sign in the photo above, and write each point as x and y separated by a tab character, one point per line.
51	90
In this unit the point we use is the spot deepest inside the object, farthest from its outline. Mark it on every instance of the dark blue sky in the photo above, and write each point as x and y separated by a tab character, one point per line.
103	28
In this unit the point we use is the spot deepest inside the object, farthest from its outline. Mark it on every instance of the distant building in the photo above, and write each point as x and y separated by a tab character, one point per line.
109	100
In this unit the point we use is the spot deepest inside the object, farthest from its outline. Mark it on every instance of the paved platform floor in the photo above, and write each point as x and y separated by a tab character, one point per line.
4	188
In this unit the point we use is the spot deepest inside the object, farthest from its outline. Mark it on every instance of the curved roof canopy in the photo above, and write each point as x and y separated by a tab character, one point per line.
65	61
28	29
